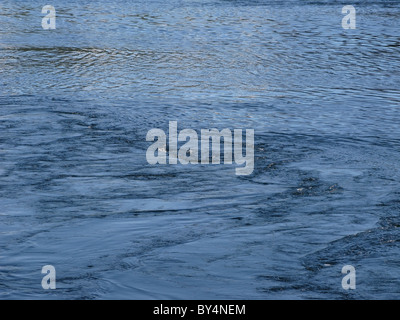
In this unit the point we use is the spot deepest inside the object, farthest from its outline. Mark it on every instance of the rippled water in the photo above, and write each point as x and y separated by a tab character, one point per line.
76	191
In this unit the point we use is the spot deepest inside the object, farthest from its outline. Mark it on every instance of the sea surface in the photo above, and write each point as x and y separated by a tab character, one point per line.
76	190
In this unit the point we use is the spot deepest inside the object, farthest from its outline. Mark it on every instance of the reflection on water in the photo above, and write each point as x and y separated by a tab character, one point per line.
76	190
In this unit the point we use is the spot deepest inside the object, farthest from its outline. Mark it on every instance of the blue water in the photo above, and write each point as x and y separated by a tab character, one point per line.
76	191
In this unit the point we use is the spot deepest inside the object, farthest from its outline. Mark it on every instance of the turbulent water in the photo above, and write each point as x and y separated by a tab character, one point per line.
77	192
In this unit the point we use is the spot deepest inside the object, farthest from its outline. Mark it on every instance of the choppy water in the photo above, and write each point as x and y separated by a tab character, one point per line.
76	191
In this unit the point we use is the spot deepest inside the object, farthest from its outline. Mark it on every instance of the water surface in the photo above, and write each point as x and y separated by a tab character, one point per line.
76	191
